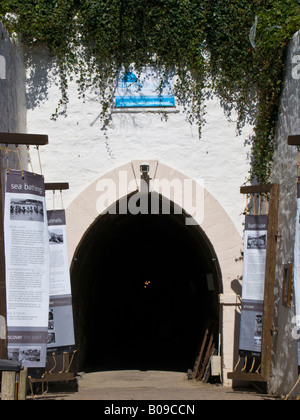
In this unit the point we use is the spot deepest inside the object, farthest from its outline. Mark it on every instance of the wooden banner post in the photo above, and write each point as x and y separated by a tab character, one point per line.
10	139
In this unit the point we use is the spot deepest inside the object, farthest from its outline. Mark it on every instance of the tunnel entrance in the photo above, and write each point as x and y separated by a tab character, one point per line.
144	289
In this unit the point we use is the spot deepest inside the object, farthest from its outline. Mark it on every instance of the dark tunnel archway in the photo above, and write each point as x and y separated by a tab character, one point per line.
144	289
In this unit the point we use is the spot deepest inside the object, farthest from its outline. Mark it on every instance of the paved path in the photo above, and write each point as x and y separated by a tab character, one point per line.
149	385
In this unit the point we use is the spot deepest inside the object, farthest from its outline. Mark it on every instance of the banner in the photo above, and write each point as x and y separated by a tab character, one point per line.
255	250
297	270
143	90
61	327
27	268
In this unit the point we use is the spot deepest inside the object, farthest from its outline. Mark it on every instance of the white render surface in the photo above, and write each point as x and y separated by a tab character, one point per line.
80	152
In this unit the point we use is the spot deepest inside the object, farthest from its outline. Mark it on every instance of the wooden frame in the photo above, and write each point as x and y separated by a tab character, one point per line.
24	139
11	139
257	189
269	299
294	140
57	186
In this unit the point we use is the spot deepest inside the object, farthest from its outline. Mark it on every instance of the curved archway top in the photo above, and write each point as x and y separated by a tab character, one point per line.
184	192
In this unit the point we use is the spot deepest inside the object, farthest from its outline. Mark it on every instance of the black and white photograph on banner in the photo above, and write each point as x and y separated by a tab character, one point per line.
25	354
30	354
13	354
56	236
26	210
257	242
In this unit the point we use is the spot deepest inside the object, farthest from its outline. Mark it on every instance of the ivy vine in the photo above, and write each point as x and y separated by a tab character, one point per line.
235	49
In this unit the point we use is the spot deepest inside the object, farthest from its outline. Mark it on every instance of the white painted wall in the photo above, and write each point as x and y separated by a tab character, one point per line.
79	152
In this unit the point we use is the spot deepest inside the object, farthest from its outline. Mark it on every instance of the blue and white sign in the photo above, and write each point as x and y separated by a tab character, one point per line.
143	90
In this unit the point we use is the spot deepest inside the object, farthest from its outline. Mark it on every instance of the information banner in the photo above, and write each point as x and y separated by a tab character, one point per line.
255	250
61	327
297	270
27	268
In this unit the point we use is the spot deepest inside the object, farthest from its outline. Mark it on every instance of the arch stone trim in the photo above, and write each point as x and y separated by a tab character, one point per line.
214	222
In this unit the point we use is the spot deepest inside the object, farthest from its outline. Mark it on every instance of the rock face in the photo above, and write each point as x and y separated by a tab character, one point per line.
285	370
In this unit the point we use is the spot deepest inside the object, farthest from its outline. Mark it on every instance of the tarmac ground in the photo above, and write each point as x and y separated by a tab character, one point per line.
149	386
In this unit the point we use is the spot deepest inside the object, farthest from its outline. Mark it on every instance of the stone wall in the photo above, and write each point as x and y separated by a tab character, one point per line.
285	370
12	93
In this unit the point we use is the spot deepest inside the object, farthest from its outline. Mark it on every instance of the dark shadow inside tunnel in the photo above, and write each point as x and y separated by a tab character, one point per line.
144	289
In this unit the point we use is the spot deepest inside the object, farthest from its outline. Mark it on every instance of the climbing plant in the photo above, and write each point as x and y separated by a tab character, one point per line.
233	49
